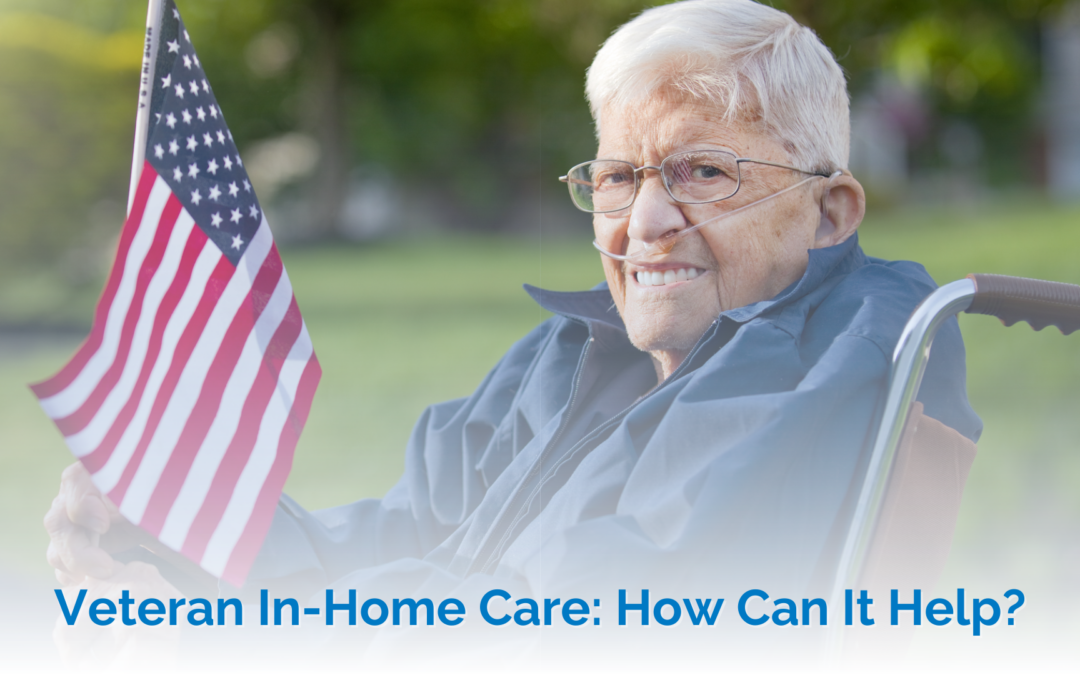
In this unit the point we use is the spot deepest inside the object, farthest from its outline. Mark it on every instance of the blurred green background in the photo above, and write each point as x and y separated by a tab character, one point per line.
407	152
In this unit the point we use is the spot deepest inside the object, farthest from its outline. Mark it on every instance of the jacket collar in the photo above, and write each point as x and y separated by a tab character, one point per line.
596	305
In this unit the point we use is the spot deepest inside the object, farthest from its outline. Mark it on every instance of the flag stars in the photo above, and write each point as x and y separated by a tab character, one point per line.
159	151
213	112
237	242
187	37
187	61
195	57
196	197
170	119
174	147
176	14
166	82
194	88
254	211
215	193
221	138
177	174
228	163
233	191
235	216
193	170
200	113
247	185
211	168
215	219
179	89
186	115
205	84
192	144
208	140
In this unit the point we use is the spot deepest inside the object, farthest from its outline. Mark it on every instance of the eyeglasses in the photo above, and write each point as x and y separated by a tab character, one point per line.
693	177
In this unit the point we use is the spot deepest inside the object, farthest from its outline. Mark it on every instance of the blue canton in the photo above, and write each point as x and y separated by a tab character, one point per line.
191	148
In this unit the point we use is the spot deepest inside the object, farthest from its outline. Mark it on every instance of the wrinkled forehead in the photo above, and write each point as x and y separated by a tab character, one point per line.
662	124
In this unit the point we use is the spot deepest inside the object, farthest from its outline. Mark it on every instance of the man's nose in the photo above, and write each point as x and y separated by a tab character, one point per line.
654	213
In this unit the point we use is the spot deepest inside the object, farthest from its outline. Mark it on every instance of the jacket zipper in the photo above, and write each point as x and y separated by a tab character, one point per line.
537	467
602	428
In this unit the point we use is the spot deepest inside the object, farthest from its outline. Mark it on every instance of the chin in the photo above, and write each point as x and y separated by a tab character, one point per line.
653	338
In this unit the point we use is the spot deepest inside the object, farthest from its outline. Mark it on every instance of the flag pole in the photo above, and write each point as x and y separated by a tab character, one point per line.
146	91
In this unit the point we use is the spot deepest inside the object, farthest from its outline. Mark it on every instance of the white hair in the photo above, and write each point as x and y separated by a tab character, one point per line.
752	62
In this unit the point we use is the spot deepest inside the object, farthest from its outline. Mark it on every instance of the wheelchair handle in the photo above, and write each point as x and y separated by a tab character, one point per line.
1040	303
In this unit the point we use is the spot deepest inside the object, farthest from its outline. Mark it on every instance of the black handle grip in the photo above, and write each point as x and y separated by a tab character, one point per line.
1040	303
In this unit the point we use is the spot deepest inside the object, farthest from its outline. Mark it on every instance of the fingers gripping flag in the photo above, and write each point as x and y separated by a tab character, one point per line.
186	401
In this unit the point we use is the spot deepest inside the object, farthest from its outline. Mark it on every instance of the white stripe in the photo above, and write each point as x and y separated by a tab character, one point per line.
224	427
242	503
90	437
67	401
109	474
191	380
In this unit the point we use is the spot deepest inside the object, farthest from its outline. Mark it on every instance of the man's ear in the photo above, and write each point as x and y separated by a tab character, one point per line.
843	204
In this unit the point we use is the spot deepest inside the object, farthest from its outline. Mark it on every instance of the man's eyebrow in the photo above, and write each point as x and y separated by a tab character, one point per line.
703	139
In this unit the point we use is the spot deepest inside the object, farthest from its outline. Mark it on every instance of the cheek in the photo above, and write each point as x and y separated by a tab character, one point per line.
610	231
613	272
755	260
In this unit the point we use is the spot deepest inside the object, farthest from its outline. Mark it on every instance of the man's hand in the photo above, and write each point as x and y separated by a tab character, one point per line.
138	648
84	528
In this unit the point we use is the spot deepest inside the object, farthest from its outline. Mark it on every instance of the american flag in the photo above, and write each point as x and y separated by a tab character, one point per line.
187	399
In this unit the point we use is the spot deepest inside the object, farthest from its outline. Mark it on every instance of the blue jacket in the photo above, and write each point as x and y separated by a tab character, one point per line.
565	471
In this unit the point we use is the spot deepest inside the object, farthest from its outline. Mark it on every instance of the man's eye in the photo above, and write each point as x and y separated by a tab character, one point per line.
707	172
608	179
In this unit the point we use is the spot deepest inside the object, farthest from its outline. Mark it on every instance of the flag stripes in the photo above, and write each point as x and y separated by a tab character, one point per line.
200	403
71	370
115	386
189	317
186	401
217	419
221	272
66	401
159	350
263	476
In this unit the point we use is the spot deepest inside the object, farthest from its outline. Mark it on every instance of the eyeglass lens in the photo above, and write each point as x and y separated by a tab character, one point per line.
693	177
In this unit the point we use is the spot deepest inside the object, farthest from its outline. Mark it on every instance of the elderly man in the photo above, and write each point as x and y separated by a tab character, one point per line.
698	420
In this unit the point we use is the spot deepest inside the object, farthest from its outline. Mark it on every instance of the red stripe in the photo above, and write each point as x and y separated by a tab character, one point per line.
215	286
247	547
243	442
197	240
209	399
78	420
69	372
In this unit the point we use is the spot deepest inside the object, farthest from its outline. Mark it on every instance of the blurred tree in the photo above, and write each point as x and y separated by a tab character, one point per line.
975	60
66	118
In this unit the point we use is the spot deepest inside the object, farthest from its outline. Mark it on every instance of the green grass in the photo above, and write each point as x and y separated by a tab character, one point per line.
403	324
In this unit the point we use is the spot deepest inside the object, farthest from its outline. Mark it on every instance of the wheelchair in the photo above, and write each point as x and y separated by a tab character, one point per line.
903	521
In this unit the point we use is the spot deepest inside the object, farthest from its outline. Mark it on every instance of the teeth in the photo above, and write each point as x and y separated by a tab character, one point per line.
667	276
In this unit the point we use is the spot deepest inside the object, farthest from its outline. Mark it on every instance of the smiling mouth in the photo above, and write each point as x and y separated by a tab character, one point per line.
657	278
